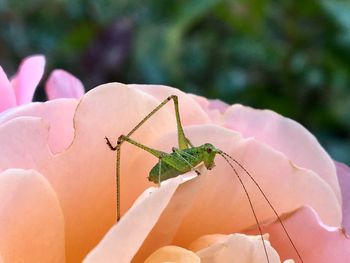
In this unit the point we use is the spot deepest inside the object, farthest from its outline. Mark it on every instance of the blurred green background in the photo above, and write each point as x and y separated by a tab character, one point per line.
289	56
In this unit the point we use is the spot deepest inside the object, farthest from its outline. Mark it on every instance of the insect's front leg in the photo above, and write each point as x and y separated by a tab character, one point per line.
199	169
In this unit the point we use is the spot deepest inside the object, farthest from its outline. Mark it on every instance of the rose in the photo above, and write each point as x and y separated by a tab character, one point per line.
81	189
21	88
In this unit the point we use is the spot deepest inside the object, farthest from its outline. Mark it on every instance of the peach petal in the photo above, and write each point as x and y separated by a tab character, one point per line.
169	219
8	99
58	113
286	136
122	108
62	84
173	254
239	248
343	172
125	238
17	151
315	241
66	178
32	224
84	174
215	202
27	78
206	241
190	111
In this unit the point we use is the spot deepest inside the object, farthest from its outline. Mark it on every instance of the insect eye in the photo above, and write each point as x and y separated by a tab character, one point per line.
209	150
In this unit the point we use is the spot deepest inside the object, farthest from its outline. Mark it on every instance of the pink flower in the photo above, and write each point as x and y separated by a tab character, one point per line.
21	88
67	197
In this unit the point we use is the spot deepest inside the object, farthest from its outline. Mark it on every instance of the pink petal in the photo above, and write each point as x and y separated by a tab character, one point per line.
215	109
62	84
218	105
286	136
32	226
190	112
8	99
315	241
210	104
27	78
343	172
58	113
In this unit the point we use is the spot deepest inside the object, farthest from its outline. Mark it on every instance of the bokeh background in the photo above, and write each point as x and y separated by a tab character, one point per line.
289	56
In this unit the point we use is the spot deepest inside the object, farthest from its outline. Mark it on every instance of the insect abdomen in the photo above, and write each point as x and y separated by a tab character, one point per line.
167	172
176	163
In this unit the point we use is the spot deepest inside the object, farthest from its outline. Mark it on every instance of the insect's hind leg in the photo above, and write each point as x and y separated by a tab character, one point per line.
182	140
121	139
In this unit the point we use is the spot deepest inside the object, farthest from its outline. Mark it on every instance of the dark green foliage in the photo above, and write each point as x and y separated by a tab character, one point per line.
290	56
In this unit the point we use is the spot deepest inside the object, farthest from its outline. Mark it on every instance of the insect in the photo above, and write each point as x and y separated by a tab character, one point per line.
186	158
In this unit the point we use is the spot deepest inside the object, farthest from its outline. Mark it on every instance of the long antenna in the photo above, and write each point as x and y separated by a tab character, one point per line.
267	200
250	203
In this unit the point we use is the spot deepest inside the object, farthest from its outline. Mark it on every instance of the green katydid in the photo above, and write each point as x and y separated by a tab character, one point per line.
184	159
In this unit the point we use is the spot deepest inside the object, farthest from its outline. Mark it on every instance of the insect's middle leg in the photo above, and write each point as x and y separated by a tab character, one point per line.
160	171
